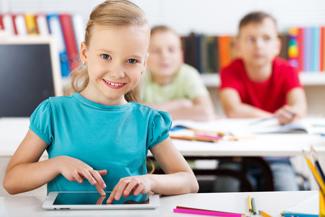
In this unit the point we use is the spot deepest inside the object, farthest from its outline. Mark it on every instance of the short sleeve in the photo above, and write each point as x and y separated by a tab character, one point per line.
229	79
159	127
292	79
41	122
193	83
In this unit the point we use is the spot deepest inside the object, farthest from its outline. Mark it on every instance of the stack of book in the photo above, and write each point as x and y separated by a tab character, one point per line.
67	30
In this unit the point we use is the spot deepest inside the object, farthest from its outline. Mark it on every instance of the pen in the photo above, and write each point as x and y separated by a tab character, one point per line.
253	207
290	112
294	214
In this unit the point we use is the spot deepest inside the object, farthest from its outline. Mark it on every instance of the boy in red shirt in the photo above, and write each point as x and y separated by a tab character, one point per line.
260	84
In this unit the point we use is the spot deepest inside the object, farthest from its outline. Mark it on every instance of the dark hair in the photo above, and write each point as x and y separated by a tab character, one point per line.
255	17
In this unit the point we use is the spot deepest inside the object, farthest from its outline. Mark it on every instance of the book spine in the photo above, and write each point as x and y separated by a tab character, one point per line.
20	25
8	24
56	31
300	45
79	29
42	25
31	24
2	28
69	40
315	49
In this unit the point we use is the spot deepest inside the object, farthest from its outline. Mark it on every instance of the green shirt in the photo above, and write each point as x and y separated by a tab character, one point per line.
187	84
115	138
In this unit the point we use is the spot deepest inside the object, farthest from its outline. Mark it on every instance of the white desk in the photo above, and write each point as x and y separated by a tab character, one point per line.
12	131
272	202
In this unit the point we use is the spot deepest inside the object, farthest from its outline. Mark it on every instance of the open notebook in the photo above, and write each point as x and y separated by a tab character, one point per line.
271	125
214	131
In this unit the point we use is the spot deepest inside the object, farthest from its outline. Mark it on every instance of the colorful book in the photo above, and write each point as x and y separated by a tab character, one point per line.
69	40
315	45
1	23
42	25
322	49
79	29
8	24
225	54
31	24
56	31
300	45
292	47
20	25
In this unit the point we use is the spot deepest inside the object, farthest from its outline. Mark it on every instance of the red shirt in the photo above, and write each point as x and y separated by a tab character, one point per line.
269	95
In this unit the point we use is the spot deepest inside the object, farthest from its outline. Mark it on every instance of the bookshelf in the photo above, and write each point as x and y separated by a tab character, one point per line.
307	79
211	18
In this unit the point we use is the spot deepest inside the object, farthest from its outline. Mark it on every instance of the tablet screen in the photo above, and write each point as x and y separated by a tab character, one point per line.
95	198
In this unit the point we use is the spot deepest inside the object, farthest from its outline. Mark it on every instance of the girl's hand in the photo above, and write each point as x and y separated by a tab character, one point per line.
131	185
76	170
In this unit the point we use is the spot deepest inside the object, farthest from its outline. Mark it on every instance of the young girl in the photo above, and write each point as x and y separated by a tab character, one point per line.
169	84
98	138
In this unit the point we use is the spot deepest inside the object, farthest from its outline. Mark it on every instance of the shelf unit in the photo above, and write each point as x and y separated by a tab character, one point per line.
307	79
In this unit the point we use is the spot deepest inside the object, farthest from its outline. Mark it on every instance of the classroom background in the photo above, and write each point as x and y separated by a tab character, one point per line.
207	28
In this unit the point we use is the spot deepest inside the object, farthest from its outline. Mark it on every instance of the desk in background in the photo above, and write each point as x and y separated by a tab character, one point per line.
13	130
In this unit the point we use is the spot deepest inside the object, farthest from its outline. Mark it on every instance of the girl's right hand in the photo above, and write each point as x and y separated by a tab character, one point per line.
76	170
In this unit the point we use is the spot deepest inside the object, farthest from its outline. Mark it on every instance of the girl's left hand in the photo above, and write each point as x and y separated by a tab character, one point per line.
132	184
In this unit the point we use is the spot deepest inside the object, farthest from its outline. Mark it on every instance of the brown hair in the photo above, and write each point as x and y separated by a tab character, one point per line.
109	13
162	28
255	17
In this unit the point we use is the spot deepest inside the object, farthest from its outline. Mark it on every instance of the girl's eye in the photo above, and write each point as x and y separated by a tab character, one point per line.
105	56
132	61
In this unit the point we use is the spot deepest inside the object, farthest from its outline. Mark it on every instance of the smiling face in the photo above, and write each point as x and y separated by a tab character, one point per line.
258	43
115	59
165	54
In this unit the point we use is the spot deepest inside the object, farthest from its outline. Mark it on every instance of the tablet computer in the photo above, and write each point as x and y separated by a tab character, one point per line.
92	200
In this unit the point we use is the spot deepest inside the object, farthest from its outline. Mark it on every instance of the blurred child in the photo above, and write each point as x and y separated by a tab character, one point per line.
260	84
98	138
169	84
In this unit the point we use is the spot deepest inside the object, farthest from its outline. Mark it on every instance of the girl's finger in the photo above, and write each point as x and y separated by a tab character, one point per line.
111	196
98	178
77	177
100	190
131	186
120	188
139	189
88	176
100	200
102	172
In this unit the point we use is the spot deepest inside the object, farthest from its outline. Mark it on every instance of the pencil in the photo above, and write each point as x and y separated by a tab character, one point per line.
292	214
315	173
264	214
317	164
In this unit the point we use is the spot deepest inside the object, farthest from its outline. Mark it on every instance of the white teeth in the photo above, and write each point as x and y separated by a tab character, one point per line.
114	84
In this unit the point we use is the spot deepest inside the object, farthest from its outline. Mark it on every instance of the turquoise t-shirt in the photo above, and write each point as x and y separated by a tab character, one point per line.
116	138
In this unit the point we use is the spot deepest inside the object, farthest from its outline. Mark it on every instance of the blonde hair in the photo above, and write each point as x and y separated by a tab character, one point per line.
109	13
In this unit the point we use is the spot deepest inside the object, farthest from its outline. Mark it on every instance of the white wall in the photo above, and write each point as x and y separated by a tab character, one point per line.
207	16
